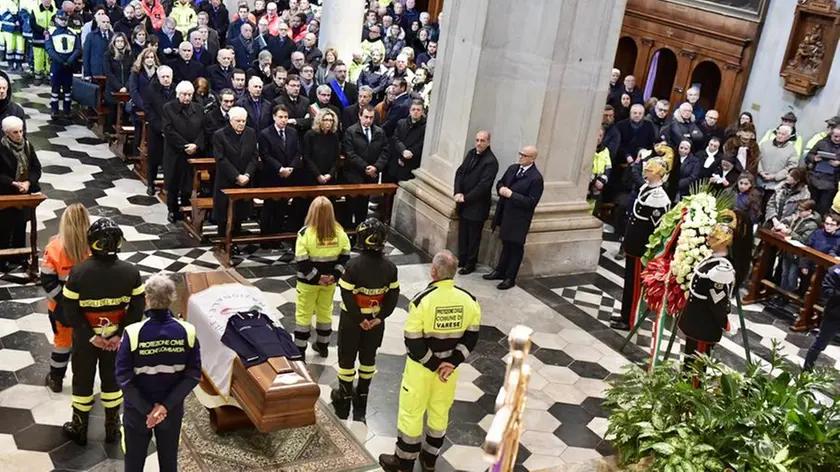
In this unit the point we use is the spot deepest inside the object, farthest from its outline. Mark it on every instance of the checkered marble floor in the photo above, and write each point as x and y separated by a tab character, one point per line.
575	353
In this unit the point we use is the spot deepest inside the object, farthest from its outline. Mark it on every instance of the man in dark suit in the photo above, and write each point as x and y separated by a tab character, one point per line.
350	115
343	91
520	190
280	153
235	150
366	150
244	48
473	184
281	47
258	108
183	137
168	40
298	106
399	109
407	145
200	53
220	74
184	68
157	94
218	117
309	49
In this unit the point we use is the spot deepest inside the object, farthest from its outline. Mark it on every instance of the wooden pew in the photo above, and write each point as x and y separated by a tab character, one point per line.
196	213
761	288
269	401
96	117
121	145
27	203
239	194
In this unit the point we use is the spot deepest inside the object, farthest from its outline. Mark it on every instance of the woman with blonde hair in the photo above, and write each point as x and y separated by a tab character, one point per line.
322	147
68	248
321	251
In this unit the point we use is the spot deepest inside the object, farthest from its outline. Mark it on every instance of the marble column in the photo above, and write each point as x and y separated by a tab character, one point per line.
531	73
341	27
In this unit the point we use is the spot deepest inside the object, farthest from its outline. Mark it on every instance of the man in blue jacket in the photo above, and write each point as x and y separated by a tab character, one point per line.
64	50
96	48
158	365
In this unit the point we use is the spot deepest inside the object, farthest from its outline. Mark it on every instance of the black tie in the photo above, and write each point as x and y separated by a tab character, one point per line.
283	138
520	173
367	134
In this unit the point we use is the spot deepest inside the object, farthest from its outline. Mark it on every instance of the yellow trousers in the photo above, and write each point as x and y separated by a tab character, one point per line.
317	300
422	392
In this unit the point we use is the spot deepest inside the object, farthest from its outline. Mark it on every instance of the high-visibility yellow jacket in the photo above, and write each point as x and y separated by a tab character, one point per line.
442	325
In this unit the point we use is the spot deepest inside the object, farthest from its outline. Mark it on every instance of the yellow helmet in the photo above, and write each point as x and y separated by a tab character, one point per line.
721	235
667	154
658	166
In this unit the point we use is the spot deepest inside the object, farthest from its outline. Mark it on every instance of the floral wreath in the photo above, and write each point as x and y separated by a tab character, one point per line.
678	245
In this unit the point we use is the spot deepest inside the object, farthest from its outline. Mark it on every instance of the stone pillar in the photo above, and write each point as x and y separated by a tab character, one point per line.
341	27
531	73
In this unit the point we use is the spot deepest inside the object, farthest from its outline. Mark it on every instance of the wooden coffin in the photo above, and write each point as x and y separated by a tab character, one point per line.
274	395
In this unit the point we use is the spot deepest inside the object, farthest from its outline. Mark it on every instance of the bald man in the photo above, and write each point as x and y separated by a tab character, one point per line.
473	184
520	190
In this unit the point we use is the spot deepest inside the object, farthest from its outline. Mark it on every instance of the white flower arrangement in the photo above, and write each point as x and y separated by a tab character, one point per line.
691	244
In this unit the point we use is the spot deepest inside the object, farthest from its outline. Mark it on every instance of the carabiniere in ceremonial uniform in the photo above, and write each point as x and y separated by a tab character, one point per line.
646	213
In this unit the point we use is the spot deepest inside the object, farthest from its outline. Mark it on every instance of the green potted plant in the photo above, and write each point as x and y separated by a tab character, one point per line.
769	418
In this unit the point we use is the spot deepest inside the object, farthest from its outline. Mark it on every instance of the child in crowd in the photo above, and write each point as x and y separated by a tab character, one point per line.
824	240
799	227
65	250
601	167
748	198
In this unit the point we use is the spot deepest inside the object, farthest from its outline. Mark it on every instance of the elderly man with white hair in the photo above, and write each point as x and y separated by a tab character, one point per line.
401	69
156	380
20	171
235	150
778	156
258	108
183	137
185	67
683	127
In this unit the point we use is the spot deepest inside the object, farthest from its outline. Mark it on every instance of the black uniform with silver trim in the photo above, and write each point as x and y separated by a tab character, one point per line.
707	309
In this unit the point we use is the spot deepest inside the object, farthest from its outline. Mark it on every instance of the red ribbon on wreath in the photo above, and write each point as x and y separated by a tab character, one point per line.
658	271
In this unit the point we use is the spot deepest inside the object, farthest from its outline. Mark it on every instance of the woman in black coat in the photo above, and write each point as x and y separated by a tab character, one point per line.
322	149
520	190
235	150
709	158
689	168
20	173
118	66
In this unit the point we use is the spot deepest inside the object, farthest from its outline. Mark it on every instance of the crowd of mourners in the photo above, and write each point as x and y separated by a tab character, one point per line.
250	88
781	180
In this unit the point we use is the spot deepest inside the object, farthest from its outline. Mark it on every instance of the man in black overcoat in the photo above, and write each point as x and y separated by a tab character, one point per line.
217	118
520	190
297	105
235	150
258	108
157	94
473	184
407	144
366	150
183	137
280	152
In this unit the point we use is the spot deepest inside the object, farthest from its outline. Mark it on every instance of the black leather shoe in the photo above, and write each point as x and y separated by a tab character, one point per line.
53	383
392	463
466	270
150	190
506	284
620	325
492	276
171	218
